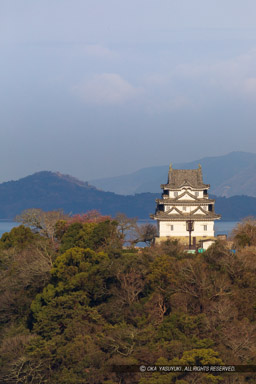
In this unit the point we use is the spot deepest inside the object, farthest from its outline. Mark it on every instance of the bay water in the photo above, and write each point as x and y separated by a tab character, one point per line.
221	227
6	226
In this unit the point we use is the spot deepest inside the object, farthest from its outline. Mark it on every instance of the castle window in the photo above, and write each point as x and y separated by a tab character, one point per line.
175	194
171	227
184	208
205	227
196	193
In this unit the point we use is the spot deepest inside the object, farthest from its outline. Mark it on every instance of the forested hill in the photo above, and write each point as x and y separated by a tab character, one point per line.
51	191
80	308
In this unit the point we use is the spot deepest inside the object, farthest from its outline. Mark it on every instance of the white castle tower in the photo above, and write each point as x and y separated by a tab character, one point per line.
185	210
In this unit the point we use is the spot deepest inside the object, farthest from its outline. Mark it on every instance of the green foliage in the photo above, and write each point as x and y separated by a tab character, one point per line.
192	357
163	276
18	237
200	357
68	236
54	316
90	235
216	253
77	270
94	305
184	327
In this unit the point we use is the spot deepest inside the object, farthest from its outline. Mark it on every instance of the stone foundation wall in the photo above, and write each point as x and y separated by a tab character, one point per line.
183	239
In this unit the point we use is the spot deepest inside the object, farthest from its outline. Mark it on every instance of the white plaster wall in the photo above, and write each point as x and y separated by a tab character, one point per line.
174	212
199	228
179	228
201	193
199	212
186	197
180	208
207	244
189	208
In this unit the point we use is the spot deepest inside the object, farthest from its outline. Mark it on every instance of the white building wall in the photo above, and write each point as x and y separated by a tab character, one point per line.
199	228
186	197
188	208
185	208
199	194
178	228
207	244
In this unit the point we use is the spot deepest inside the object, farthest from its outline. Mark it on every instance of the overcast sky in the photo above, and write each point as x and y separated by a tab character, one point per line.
105	87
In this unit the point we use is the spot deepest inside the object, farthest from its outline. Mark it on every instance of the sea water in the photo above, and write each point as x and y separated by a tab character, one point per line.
221	227
6	226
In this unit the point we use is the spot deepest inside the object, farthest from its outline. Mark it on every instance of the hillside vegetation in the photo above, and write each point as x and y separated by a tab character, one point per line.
76	302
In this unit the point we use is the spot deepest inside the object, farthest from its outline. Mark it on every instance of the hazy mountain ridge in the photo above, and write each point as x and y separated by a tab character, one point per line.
51	191
229	175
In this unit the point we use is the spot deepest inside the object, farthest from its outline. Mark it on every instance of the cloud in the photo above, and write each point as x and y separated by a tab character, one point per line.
250	86
99	51
236	76
108	89
183	87
194	86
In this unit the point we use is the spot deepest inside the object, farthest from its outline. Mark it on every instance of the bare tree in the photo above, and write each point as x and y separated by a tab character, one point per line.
244	234
41	221
131	284
125	223
146	233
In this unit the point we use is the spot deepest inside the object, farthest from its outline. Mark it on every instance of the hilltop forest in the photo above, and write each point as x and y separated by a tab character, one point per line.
75	302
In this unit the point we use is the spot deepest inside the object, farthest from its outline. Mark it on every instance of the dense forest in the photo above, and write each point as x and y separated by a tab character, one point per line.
77	299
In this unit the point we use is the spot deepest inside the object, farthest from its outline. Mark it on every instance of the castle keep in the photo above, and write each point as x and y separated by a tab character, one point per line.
185	210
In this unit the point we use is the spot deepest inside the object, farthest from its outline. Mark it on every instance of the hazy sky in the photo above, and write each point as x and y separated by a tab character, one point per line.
105	87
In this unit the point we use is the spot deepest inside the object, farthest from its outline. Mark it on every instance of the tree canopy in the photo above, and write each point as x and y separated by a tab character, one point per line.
73	308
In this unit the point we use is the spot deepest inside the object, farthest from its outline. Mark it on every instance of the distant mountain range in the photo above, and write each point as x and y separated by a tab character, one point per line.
229	175
51	191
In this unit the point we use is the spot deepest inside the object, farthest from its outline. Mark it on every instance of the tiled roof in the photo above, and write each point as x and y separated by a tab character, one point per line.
176	201
180	177
183	217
